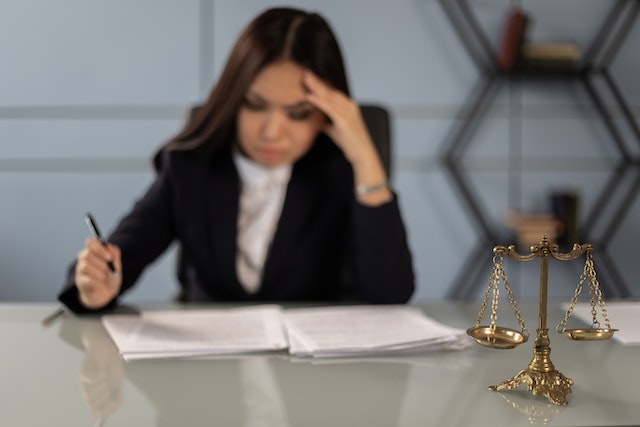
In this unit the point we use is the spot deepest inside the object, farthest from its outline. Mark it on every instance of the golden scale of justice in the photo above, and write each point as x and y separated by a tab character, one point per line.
541	376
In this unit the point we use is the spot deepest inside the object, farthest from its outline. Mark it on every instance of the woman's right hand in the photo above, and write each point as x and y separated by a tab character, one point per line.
97	284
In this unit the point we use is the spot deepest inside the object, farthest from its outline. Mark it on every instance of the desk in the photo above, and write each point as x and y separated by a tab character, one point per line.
49	379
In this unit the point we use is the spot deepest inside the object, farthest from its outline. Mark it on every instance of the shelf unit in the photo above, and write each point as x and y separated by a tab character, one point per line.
594	67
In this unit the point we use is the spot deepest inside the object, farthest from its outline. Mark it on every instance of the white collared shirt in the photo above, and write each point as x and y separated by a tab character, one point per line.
262	194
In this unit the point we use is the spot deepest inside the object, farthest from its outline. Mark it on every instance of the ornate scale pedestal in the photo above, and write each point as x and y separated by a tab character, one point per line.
541	376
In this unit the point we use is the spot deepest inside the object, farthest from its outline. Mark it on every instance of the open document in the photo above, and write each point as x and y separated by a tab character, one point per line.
341	331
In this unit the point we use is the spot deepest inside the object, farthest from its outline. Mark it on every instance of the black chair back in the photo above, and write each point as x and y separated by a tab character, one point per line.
378	123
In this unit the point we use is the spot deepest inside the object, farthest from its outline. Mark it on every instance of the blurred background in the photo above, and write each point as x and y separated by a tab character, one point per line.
89	90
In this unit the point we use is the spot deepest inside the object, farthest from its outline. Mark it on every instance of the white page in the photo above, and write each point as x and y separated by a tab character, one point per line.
623	315
180	333
361	329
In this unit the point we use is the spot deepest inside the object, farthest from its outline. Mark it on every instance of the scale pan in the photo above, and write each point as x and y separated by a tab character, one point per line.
499	338
591	334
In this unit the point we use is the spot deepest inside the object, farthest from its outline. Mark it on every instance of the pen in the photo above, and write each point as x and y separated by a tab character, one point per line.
95	232
52	317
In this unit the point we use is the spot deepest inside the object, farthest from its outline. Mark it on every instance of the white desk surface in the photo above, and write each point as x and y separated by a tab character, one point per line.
70	374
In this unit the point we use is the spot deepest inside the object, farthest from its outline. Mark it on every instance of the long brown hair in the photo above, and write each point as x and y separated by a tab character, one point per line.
276	34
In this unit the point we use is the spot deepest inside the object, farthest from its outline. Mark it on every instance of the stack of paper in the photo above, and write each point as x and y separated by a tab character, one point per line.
309	332
623	316
367	330
191	333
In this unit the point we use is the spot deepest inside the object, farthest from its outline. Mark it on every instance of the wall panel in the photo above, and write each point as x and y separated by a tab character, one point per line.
88	91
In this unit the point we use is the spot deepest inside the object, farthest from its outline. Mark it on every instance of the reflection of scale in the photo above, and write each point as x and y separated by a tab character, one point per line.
541	375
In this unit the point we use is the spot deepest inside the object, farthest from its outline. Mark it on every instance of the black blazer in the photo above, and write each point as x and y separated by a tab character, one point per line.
321	230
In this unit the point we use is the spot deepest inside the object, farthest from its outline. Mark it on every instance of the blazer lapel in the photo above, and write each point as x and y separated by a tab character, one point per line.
298	206
221	193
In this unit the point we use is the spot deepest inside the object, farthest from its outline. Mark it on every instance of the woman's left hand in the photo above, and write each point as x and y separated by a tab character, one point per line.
347	129
346	126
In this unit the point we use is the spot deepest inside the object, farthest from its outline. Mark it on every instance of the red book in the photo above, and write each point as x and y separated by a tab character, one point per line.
512	40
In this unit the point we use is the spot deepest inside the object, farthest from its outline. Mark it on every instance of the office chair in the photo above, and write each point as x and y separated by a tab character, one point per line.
377	120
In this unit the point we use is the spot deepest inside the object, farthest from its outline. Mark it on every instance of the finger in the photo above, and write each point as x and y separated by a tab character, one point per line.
97	247
95	267
322	95
96	284
314	84
116	257
95	296
101	256
98	280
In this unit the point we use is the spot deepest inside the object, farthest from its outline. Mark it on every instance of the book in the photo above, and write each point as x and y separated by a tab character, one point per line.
550	55
565	206
530	228
512	39
320	332
550	51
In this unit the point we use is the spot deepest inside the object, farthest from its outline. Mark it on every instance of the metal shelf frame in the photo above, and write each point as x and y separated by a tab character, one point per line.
594	67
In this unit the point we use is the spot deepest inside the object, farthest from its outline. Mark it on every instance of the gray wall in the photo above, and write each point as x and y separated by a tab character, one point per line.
88	90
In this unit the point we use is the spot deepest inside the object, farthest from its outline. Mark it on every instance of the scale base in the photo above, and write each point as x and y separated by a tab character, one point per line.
552	384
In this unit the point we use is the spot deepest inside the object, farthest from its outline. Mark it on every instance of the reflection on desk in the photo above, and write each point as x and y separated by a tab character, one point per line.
41	369
241	391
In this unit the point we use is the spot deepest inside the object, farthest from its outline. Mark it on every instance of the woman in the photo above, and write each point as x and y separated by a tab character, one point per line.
274	189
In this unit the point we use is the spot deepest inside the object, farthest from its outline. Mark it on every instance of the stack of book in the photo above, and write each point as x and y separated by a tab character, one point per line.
550	55
530	228
515	52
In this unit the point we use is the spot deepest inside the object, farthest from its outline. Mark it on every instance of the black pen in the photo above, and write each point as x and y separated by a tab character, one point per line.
95	232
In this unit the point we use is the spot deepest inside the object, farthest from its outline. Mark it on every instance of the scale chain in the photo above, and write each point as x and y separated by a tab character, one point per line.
498	274
492	284
514	306
562	326
595	296
595	288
